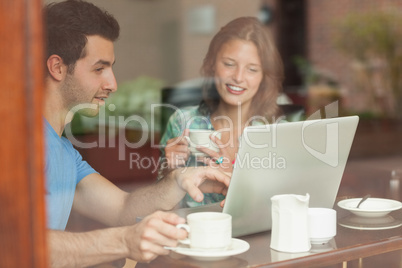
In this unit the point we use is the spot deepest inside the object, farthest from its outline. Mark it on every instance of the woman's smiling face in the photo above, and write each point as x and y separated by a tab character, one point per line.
238	72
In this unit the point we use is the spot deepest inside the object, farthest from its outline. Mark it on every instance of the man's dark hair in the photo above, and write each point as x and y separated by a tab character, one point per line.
68	23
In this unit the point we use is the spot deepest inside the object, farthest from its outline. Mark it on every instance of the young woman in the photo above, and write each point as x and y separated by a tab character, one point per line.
244	75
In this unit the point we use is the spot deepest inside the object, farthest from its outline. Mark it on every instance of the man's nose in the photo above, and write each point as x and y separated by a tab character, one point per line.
111	83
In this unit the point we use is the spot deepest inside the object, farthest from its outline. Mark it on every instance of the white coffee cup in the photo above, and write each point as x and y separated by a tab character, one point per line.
208	230
322	225
201	137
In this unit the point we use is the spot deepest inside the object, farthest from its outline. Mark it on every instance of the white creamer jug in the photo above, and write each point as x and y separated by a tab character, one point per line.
290	231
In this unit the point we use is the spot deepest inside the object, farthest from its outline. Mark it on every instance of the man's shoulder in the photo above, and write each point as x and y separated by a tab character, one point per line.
67	142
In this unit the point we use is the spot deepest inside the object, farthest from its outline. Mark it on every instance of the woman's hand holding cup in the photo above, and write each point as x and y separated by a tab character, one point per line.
177	151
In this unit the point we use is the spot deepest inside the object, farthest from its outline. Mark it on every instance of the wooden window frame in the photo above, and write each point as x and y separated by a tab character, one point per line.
22	205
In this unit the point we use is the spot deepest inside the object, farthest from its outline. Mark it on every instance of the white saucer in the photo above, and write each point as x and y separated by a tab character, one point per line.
372	207
238	246
367	223
320	241
318	248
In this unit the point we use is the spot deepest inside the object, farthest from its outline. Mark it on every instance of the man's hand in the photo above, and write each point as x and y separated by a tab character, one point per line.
198	180
142	242
146	240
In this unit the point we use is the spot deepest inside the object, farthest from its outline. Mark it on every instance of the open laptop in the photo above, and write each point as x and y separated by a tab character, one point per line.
286	158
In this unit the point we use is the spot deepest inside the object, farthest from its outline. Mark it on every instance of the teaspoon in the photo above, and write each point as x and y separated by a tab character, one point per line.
363	199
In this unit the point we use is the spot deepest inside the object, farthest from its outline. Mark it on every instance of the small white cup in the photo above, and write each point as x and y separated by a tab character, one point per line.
322	225
201	137
208	230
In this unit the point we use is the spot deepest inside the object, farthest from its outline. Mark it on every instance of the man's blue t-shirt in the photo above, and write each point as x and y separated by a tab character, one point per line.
64	170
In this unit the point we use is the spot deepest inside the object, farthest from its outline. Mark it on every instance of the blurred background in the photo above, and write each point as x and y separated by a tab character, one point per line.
348	51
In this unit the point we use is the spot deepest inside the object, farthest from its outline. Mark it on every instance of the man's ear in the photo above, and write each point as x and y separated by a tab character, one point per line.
56	68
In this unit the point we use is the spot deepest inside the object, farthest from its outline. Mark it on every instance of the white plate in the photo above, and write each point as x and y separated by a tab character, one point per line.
372	207
238	246
367	223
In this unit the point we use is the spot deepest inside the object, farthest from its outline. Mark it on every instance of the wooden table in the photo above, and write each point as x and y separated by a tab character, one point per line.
349	244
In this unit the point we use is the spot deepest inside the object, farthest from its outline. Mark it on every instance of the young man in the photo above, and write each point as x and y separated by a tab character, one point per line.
79	61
